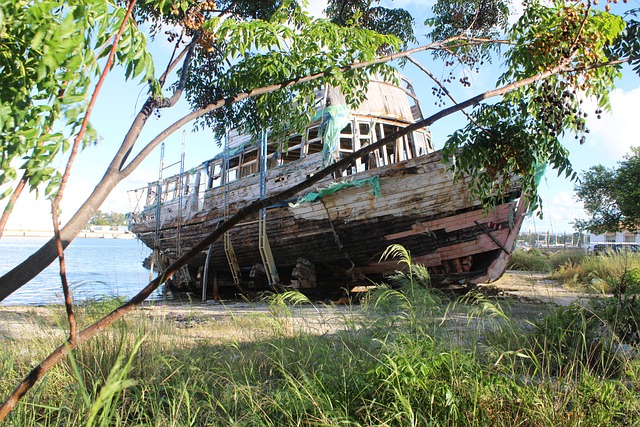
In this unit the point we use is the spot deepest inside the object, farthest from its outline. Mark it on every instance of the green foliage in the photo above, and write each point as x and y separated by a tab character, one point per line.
524	130
572	338
249	54
611	196
479	19
102	400
49	55
557	262
111	218
628	44
531	260
383	20
595	272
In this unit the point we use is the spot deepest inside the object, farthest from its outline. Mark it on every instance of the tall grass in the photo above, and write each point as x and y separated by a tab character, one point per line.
405	357
544	262
595	270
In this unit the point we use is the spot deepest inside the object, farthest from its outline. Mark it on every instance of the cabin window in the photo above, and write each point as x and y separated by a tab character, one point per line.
314	141
394	151
293	149
215	174
273	156
362	139
346	144
420	142
313	133
629	238
249	163
185	183
398	150
152	194
610	238
232	173
170	189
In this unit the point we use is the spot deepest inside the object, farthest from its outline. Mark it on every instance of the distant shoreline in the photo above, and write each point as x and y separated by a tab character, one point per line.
102	234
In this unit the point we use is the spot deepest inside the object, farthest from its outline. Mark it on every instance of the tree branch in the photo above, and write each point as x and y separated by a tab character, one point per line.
243	213
218	103
441	86
55	203
170	102
150	104
12	201
25	271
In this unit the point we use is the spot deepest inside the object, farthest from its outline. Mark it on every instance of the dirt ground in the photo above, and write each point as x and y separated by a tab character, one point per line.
535	287
526	295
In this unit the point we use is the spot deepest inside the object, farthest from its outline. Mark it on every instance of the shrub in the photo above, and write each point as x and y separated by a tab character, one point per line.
532	260
565	258
571	341
596	271
622	311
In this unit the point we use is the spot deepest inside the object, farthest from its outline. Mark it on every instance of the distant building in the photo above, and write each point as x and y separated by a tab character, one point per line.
621	237
614	241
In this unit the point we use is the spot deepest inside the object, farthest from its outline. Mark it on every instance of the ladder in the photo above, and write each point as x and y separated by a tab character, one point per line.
228	246
263	241
184	270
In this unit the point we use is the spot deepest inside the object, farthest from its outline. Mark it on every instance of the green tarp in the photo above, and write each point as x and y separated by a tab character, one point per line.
314	196
334	119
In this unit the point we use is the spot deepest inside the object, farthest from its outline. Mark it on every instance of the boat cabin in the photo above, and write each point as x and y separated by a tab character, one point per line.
386	109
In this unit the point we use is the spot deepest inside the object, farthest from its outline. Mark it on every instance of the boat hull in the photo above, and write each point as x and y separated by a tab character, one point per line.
343	235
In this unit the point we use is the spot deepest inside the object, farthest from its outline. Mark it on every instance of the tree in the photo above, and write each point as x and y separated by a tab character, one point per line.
256	65
611	196
112	218
49	54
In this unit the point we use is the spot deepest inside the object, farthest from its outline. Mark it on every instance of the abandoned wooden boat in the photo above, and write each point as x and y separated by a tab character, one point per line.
334	235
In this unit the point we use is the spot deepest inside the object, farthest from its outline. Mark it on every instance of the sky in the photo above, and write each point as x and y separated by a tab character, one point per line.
609	139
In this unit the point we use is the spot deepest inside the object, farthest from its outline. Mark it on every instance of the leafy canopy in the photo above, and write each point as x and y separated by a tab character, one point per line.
560	46
50	51
237	55
49	54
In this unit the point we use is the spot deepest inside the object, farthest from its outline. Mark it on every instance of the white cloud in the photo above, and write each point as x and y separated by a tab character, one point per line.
612	136
316	8
35	214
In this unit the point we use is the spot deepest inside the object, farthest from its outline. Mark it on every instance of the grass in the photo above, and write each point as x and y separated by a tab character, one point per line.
545	262
575	269
594	271
407	357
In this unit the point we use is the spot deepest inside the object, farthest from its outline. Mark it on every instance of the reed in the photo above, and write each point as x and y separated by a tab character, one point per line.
407	356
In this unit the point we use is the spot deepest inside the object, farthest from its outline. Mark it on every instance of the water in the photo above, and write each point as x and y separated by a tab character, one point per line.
96	268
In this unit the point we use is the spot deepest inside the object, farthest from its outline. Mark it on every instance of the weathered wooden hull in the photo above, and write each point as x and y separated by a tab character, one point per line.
343	234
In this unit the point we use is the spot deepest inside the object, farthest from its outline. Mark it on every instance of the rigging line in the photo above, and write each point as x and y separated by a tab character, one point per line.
336	237
155	257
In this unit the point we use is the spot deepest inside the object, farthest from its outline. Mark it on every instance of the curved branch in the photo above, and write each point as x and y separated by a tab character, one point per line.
243	213
12	201
55	203
25	271
143	115
170	102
